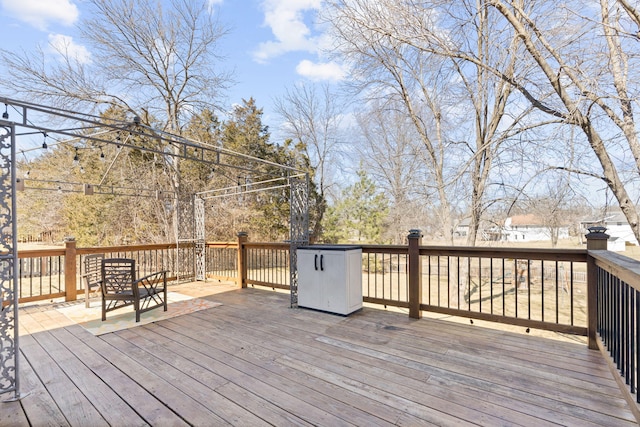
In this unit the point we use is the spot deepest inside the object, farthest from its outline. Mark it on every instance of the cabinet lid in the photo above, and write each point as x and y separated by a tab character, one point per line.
331	247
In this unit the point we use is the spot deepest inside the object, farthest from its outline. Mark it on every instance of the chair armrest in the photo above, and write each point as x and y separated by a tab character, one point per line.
149	278
87	276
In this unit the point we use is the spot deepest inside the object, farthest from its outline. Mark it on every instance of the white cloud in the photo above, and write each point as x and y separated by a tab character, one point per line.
286	20
213	4
40	13
321	71
65	45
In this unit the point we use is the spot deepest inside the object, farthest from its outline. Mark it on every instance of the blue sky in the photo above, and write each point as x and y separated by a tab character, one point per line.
272	44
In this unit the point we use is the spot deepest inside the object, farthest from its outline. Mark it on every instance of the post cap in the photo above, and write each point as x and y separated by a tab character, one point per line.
415	233
69	239
242	234
597	233
597	229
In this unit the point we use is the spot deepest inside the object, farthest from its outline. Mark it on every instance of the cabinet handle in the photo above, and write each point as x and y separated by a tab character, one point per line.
315	262
321	262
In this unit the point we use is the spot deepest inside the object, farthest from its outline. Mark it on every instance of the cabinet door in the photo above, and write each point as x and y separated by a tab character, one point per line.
354	280
308	279
333	281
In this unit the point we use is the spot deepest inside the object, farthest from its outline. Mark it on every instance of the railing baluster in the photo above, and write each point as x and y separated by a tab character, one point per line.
491	284
504	289
528	289
516	284
480	283
557	293
542	306
636	348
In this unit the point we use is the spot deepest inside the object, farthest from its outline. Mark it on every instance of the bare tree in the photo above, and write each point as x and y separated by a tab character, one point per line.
388	154
462	113
386	70
593	79
144	57
313	117
584	73
154	59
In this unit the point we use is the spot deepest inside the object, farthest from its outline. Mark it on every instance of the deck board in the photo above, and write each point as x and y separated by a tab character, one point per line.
255	361
370	378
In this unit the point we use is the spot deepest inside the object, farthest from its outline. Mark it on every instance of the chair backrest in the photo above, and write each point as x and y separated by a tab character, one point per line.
93	269
118	274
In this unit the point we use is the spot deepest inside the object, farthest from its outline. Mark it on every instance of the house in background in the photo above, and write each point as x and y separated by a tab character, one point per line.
462	228
618	229
529	228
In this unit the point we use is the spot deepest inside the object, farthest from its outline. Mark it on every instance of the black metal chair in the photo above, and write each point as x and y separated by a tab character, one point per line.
120	287
92	274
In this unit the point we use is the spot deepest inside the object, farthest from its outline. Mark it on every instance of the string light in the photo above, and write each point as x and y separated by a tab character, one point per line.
76	159
26	161
5	115
102	159
44	142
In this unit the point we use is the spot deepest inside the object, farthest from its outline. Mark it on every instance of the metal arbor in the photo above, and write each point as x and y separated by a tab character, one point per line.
9	346
77	127
299	210
298	185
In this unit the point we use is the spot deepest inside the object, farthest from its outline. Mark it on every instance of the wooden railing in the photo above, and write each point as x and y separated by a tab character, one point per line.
221	261
544	289
617	316
267	264
41	274
538	288
589	292
54	273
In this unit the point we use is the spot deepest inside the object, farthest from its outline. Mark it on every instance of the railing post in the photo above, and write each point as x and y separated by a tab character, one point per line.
70	269
596	241
415	274
243	237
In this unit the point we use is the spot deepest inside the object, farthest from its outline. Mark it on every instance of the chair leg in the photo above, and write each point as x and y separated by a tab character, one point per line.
86	296
104	309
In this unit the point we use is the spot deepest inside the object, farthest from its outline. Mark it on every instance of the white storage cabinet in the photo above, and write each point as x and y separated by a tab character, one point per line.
330	278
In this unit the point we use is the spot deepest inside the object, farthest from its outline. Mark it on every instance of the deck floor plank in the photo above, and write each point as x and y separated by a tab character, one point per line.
253	353
11	413
520	387
371	378
37	404
201	390
253	361
76	407
362	360
493	383
293	395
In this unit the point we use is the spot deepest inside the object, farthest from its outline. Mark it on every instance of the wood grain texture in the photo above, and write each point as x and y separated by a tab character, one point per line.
256	361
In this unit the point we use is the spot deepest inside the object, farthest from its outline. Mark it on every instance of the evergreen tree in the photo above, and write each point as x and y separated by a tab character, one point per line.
265	215
359	215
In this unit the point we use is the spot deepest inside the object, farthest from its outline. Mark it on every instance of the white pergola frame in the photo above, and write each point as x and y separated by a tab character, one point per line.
190	227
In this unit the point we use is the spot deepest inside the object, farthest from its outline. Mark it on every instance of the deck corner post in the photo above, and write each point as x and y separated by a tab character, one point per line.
243	237
415	273
596	241
70	271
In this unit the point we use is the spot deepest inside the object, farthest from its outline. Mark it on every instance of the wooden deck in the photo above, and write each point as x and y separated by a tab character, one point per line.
255	361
